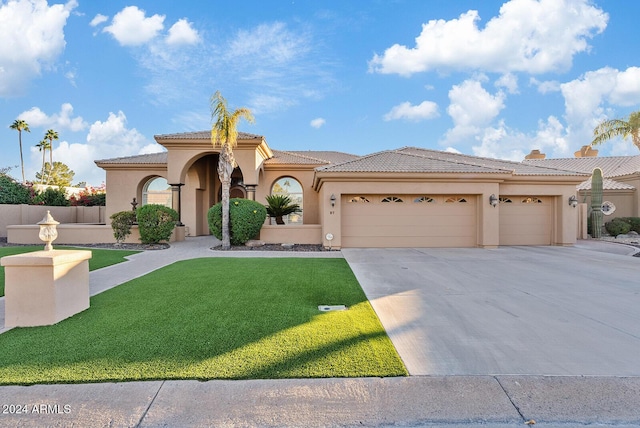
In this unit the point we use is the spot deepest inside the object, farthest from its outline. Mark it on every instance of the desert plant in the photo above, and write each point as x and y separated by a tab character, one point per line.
596	203
12	192
156	223
52	197
280	206
617	226
634	223
246	217
121	223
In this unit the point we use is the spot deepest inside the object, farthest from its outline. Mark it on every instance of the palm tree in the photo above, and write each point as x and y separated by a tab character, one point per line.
224	134
20	125
618	128
50	135
43	146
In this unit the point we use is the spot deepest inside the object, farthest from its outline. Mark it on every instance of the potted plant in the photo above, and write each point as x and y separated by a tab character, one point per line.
280	206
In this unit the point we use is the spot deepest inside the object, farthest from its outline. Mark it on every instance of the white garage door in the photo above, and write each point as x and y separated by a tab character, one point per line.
409	221
525	220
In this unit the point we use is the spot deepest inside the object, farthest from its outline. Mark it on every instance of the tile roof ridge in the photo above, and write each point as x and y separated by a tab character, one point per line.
293	153
358	159
141	155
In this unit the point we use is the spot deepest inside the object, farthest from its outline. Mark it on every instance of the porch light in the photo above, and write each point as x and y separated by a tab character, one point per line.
333	200
573	201
493	200
48	232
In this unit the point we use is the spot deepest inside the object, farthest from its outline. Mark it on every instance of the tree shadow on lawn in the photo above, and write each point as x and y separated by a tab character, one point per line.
211	319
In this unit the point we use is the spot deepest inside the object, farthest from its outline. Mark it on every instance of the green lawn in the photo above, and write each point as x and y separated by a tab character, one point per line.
99	257
214	318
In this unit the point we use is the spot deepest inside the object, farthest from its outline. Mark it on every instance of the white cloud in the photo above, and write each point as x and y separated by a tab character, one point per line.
58	121
318	122
32	34
546	86
130	26
107	139
529	36
274	42
182	33
508	81
423	111
471	105
98	19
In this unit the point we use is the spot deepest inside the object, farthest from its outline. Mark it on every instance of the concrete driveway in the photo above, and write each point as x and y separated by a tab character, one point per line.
512	310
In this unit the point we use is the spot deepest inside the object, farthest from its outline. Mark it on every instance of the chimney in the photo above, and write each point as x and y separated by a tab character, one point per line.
535	154
586	152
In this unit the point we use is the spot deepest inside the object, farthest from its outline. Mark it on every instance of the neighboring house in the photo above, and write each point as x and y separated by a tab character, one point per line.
409	197
621	179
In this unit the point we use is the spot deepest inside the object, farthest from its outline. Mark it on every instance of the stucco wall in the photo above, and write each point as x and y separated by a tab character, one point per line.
124	185
32	214
311	213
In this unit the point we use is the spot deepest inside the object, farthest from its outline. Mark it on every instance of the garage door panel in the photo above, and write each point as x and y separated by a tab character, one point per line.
408	223
526	223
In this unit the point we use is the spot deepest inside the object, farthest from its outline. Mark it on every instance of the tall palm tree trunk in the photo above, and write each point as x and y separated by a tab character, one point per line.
225	169
21	158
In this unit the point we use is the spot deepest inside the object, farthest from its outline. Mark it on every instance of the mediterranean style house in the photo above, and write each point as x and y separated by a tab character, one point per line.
405	197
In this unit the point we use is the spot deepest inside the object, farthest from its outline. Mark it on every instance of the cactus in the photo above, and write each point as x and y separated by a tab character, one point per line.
596	203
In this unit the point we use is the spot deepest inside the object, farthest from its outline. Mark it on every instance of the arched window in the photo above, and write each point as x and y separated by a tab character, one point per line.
291	187
157	191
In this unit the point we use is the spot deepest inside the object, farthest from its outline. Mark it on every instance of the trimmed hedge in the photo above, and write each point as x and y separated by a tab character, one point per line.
156	223
617	226
12	192
121	223
633	222
246	218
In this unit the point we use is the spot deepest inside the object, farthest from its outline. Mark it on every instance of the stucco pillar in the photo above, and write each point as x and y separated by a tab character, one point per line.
175	200
251	191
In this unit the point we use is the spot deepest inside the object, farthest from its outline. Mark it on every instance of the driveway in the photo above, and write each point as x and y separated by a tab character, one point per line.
511	310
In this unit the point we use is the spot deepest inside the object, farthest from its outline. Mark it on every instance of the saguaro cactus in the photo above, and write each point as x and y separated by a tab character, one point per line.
596	203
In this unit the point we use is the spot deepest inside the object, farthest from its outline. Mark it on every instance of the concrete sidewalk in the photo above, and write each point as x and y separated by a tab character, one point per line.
452	401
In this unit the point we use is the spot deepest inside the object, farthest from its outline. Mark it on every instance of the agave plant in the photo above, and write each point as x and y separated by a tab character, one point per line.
280	206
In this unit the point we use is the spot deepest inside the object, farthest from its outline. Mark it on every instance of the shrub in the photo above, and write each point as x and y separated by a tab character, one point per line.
246	217
90	197
617	226
633	222
156	223
52	198
121	223
12	192
280	206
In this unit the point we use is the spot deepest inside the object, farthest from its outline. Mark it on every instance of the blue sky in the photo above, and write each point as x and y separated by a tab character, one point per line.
487	78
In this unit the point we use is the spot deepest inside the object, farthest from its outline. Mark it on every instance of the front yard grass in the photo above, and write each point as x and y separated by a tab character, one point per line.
213	318
99	257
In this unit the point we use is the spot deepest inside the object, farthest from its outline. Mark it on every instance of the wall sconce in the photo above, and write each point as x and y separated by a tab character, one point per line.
48	232
493	200
333	200
573	201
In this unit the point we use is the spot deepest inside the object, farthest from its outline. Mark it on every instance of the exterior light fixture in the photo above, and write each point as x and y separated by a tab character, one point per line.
48	232
493	200
333	200
573	201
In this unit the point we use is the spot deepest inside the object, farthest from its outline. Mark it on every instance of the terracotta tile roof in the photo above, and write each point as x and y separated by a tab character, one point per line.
414	159
201	135
151	158
309	157
607	184
612	166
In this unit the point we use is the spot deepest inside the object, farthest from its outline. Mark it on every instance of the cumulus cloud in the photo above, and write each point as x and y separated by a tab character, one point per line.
317	123
131	26
182	33
414	113
60	121
508	81
98	19
528	36
32	34
471	107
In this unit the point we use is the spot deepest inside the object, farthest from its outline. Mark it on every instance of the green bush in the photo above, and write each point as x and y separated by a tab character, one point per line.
246	218
52	197
12	192
156	223
633	222
121	223
617	226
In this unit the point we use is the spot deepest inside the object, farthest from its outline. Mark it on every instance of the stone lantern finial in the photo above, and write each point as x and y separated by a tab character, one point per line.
48	232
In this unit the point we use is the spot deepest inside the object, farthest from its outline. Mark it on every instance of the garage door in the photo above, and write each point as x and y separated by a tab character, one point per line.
409	221
525	220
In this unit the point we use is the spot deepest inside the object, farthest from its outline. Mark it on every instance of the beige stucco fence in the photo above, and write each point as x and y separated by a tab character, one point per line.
23	214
